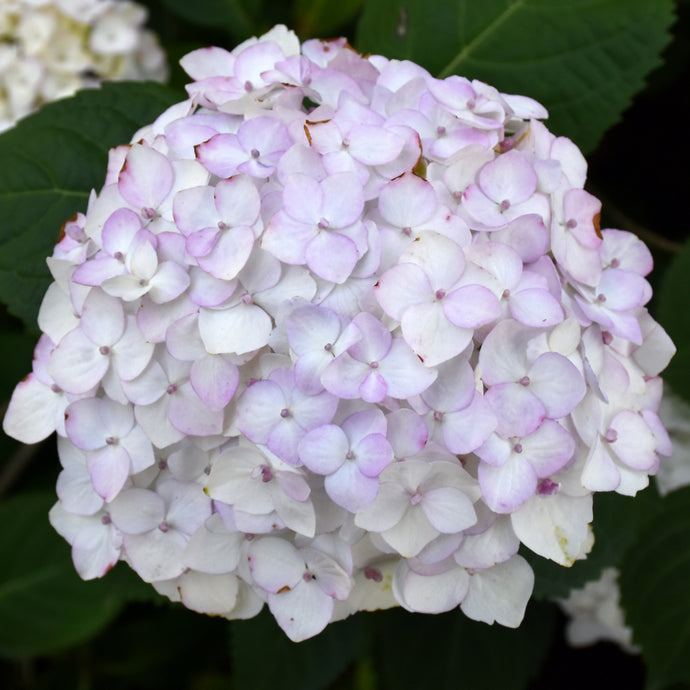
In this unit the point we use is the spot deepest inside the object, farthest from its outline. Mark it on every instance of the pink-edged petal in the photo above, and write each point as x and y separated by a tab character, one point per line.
132	353
119	231
109	469
210	594
509	176
548	448
344	375
274	564
343	199
239	329
448	509
138	445
230	253
634	442
466	429
373	388
221	154
518	411
507	487
407	201
402	286
302	199
188	413
471	306
432	593
237	201
349	488
96	549
409	536
283	440
258	410
536	307
29	417
323	449
391	503
156	555
431	335
500	593
214	380
136	511
146	177
169	282
103	318
373	453
503	355
193	209
331	256
76	364
555	380
373	145
405	375
287	239
302	612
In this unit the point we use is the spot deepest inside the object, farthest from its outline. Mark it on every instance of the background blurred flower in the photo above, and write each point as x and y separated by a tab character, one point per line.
51	48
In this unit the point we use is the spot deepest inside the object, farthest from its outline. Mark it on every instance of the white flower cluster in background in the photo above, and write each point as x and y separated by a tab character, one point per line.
49	49
595	614
337	335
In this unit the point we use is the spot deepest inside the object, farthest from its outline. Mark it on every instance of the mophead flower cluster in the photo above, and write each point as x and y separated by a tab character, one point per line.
49	49
337	335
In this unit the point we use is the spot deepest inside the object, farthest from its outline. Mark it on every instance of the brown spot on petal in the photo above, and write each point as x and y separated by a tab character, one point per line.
596	221
283	589
62	233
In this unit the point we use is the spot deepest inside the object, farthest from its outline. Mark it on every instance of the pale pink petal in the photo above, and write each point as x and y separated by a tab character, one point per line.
239	329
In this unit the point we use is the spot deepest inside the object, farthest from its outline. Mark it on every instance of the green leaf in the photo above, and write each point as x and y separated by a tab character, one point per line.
617	521
583	59
674	316
655	592
323	17
51	161
240	18
44	606
450	651
265	659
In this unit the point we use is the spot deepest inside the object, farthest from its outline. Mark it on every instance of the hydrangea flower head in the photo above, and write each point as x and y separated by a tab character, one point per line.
337	335
52	48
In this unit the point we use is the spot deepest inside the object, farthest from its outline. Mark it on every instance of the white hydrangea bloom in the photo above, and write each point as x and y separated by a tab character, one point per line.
51	48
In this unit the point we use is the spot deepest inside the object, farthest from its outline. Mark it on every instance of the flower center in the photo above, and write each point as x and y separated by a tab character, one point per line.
285	413
373	574
524	381
547	488
255	153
